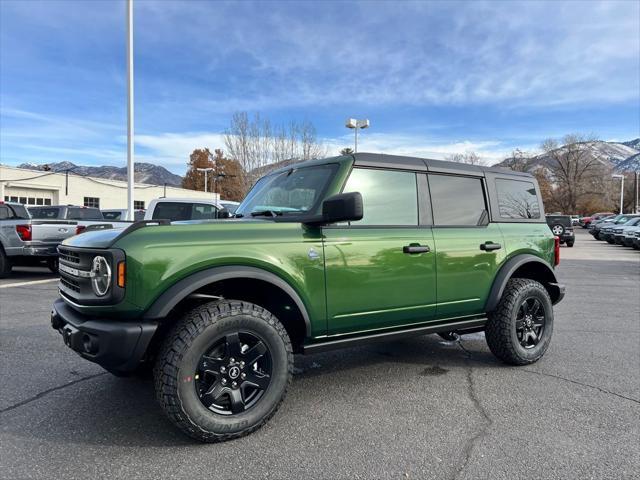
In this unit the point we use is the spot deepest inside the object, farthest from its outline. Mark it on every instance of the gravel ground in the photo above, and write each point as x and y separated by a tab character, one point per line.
420	408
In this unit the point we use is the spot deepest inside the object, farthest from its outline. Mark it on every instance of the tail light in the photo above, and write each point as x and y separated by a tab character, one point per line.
556	251
80	229
24	232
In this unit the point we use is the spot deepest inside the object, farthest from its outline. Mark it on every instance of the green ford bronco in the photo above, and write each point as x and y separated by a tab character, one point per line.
320	255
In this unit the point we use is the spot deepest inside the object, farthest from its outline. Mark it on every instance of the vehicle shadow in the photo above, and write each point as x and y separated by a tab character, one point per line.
111	411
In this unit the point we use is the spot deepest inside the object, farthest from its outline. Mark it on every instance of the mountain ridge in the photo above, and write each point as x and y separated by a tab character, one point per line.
143	172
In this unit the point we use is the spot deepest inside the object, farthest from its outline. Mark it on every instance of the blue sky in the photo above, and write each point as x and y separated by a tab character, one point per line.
434	78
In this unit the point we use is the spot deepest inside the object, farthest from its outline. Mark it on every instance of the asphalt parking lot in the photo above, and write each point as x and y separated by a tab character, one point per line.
420	408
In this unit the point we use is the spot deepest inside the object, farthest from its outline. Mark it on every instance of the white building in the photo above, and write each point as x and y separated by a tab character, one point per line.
35	187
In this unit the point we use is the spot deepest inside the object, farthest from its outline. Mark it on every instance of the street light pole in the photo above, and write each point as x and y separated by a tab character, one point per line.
356	125
206	178
130	158
621	177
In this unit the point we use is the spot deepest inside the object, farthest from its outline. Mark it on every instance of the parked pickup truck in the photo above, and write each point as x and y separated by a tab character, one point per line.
24	241
83	216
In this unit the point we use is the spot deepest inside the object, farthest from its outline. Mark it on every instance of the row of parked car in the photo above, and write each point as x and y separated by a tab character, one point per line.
623	229
31	235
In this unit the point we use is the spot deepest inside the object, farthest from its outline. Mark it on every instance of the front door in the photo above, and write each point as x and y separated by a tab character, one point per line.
380	271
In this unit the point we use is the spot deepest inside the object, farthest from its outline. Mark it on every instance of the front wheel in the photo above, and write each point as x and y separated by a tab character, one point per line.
224	370
519	329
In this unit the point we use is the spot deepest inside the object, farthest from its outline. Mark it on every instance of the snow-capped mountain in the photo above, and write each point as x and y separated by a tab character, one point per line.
144	172
621	156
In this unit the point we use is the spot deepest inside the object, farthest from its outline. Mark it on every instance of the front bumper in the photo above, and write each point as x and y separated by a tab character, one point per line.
112	344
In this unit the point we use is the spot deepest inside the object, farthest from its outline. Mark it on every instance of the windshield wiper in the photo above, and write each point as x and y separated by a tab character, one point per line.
266	213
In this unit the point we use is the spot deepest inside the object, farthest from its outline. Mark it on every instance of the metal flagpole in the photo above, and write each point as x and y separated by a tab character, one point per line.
130	159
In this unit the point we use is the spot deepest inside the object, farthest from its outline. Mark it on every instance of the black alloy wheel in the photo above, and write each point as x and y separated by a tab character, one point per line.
234	374
530	322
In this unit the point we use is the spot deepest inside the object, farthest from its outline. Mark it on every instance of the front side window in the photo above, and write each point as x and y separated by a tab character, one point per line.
517	199
295	191
456	200
203	211
389	197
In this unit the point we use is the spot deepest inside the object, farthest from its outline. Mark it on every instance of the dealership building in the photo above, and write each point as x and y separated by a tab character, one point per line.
36	187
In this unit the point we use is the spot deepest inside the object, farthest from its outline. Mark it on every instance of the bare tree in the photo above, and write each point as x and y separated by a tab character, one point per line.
256	145
575	169
470	157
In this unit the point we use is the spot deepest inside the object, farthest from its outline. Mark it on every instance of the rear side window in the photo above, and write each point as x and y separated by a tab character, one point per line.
456	200
517	199
173	211
389	197
4	212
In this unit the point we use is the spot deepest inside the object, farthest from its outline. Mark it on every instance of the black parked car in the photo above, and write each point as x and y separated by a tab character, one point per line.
562	227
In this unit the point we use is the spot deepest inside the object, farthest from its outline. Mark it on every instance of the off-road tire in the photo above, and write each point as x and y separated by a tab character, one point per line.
500	331
5	264
570	244
181	352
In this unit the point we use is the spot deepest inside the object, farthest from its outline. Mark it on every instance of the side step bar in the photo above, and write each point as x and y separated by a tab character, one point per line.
461	327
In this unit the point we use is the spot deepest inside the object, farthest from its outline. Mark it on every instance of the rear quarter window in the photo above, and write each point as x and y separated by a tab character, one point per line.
517	199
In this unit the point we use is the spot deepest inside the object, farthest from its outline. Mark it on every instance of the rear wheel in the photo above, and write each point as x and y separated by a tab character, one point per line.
5	264
570	244
224	370
519	330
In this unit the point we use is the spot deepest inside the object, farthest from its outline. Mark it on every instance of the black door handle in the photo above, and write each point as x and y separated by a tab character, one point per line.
415	248
489	246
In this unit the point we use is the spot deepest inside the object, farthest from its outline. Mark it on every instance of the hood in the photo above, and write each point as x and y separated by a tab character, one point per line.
94	239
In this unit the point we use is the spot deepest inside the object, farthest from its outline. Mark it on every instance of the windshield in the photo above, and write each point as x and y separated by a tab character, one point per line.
294	191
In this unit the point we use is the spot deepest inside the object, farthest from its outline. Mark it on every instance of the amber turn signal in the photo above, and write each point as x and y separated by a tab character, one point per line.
121	274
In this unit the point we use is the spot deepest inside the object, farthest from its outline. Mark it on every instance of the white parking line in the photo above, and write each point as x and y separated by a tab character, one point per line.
32	282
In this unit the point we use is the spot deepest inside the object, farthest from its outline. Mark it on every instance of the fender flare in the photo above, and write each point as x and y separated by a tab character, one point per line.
162	306
508	269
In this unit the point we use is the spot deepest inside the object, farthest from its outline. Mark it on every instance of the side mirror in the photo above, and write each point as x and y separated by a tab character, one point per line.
344	207
223	213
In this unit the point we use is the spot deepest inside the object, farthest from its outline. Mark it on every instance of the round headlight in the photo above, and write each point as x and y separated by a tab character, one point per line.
100	276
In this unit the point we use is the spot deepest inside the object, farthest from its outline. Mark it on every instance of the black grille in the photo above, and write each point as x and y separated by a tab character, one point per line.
70	284
67	256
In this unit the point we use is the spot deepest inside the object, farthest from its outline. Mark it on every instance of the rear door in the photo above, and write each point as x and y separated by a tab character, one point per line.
468	249
380	271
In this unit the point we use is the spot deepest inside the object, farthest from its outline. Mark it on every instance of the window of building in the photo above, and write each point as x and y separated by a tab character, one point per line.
13	199
138	204
456	200
389	197
22	200
39	201
47	201
93	202
517	199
